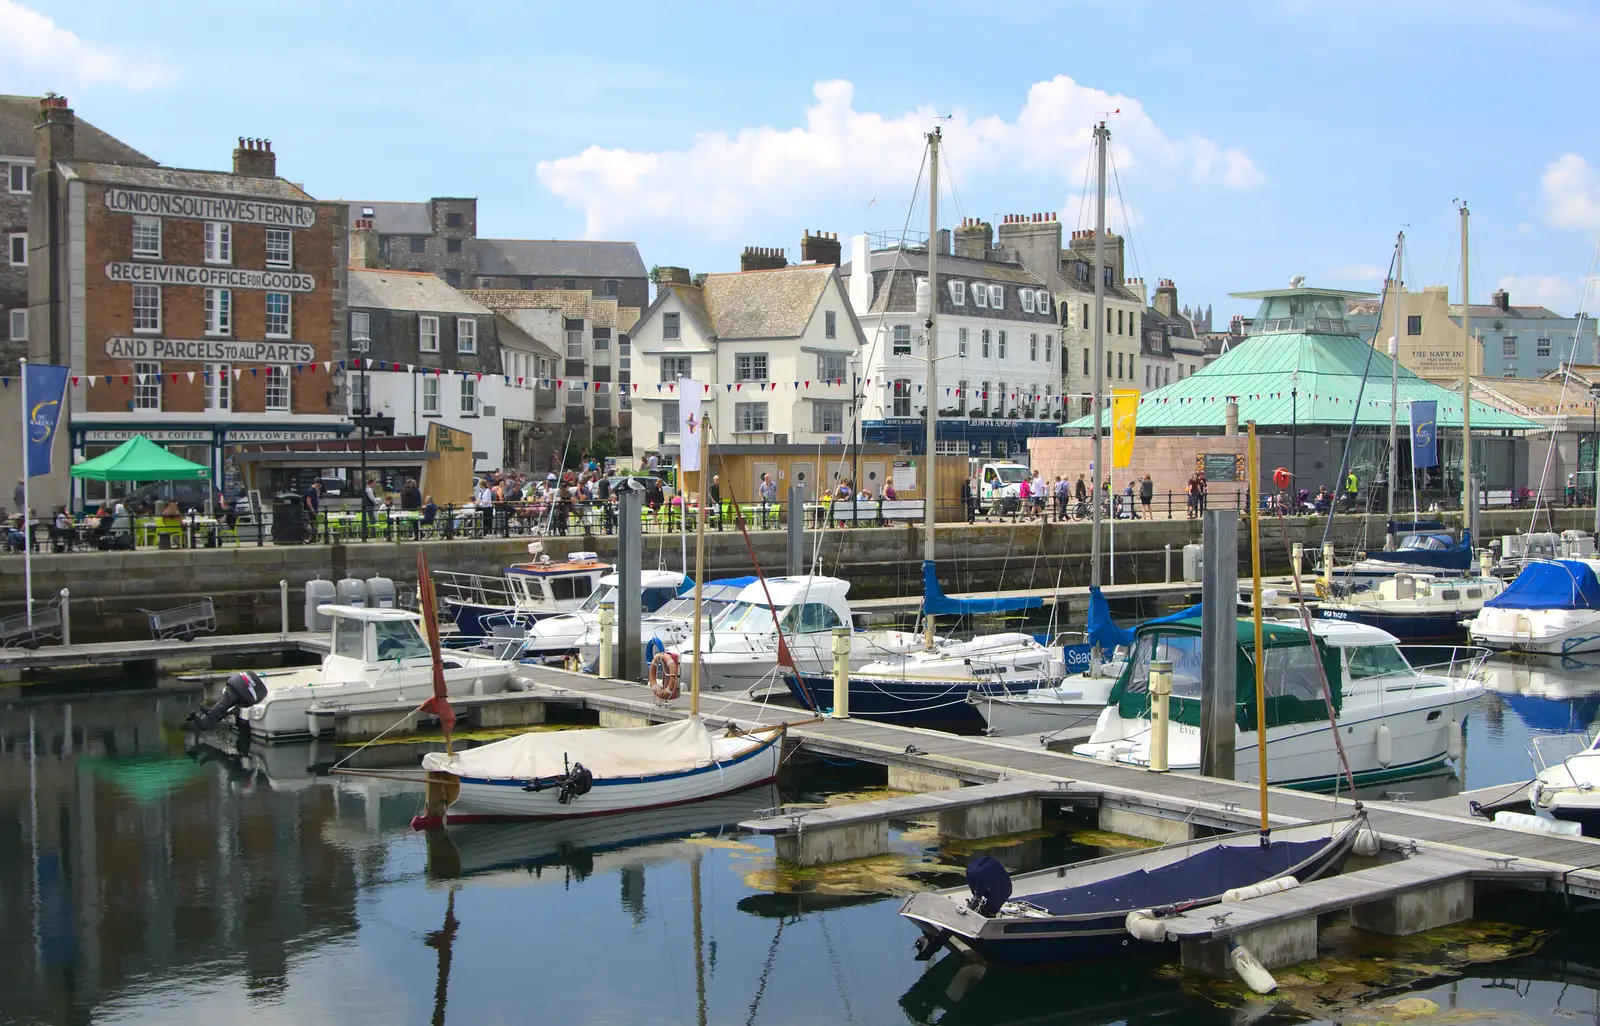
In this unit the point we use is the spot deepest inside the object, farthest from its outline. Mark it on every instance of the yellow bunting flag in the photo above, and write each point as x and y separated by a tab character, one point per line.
1124	419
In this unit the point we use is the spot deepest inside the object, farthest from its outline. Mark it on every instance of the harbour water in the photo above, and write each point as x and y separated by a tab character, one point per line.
144	880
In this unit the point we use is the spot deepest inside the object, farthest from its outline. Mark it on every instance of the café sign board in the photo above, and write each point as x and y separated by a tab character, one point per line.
210	350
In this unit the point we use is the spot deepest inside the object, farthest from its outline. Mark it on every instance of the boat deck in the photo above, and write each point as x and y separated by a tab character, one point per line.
110	653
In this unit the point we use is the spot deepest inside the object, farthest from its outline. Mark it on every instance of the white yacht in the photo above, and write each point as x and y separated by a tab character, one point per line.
525	592
1075	701
670	625
1419	609
1552	608
1567	785
1396	720
556	637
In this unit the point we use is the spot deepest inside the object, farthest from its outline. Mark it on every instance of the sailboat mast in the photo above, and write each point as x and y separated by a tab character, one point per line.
1101	137
700	564
931	393
1467	494
1252	462
1394	368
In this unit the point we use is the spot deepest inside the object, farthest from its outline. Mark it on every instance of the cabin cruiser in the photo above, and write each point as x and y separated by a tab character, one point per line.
375	656
556	637
1397	720
741	649
524	593
1568	775
1552	608
1419	609
1428	552
671	624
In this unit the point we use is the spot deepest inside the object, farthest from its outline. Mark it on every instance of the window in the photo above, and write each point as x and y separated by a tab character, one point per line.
278	320
219	387
1105	274
430	395
624	398
1108	320
452	278
624	354
670	327
983	398
1413	324
750	367
219	242
219	312
469	396
958	293
830	324
360	398
360	331
1084	322
997	297
1119	366
831	366
980	296
827	418
1541	347
750	417
1041	302
1000	344
1000	398
21	177
467	335
1508	345
147	386
147	308
985	336
575	393
569	284
610	287
1119	322
278	389
961	398
452	245
147	237
17	248
1147	375
419	243
1027	300
669	417
961	343
602	340
574	327
19	322
1033	345
675	367
1086	363
902	340
602	394
1047	348
280	247
452	219
427	333
902	397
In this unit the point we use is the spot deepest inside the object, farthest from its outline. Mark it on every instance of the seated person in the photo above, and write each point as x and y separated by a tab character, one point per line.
16	541
430	510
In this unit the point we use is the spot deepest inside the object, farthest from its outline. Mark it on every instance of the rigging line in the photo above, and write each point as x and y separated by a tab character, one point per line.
838	970
1083	189
1127	218
950	177
766	971
1566	379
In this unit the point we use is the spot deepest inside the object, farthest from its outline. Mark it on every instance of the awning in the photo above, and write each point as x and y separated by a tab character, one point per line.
139	459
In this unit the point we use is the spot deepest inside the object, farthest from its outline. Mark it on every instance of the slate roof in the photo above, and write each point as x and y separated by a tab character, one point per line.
1535	397
513	336
1258	370
420	291
394	218
694	302
1489	312
581	258
765	304
18	115
951	267
175	179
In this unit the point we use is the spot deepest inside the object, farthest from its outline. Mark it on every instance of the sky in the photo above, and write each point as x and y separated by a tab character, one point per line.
1252	141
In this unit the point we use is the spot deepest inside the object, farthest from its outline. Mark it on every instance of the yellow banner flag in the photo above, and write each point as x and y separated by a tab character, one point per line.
1124	420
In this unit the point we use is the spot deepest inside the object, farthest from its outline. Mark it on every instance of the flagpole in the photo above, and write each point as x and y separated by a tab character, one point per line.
27	532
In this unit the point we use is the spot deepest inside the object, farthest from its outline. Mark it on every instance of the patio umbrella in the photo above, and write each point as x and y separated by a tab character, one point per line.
139	459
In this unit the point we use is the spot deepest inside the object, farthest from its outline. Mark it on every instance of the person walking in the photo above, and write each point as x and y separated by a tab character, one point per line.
967	500
1063	491
313	508
1147	491
769	498
714	493
1351	487
19	496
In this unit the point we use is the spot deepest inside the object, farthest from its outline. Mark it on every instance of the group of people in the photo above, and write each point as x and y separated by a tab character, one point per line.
1039	496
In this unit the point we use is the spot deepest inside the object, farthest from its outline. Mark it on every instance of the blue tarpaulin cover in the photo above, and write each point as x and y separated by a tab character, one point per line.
1203	875
1457	557
1551	584
1102	631
936	602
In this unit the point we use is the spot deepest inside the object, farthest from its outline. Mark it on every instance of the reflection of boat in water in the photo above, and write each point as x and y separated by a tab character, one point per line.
788	904
955	991
488	847
1551	694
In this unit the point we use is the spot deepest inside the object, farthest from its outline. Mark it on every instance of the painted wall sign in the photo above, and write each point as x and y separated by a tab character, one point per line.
100	436
240	435
211	208
209	350
215	277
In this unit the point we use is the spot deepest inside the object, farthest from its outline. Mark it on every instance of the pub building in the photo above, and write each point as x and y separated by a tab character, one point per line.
203	309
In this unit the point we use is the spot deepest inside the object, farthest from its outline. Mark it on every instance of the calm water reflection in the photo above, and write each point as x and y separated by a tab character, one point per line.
141	883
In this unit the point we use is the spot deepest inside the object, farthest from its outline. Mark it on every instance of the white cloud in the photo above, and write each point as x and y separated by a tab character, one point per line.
843	156
1571	193
36	54
1563	295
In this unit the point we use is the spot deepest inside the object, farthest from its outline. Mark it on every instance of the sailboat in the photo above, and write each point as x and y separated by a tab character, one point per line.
1114	906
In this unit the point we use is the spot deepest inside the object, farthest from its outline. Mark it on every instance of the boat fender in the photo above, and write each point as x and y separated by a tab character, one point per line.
990	885
576	784
1141	925
1452	739
1537	824
1250	969
1367	843
1257	890
1385	745
664	676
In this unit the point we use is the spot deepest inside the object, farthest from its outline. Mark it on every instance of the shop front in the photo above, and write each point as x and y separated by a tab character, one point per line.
982	437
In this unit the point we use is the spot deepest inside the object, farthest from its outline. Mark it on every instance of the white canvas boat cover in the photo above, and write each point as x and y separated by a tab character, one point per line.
615	752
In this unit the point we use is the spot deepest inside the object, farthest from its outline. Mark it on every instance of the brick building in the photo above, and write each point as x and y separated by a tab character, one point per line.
18	115
205	309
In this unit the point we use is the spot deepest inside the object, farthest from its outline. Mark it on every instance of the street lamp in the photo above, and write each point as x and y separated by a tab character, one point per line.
857	395
1594	456
1294	427
362	411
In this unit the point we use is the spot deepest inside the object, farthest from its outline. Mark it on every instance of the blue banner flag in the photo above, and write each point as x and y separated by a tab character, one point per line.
1424	433
45	386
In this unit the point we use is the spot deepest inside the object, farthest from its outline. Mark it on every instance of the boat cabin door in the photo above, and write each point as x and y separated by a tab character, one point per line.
1405	586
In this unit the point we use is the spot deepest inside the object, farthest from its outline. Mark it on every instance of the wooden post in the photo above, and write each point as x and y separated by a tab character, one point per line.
608	617
841	673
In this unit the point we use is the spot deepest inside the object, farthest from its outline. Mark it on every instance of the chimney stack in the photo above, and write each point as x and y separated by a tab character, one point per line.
974	239
53	135
820	248
255	159
1502	300
1230	416
672	276
364	244
762	258
1166	298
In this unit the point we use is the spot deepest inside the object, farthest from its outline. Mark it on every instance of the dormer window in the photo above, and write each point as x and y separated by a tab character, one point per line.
980	296
1027	300
958	293
997	297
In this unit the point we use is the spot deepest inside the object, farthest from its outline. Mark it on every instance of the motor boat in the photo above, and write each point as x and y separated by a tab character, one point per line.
670	625
571	773
556	637
1113	906
1426	551
1396	720
1419	609
375	656
741	649
525	592
1567	768
1552	608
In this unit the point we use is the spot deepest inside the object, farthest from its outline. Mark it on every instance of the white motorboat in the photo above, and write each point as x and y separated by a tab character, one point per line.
525	592
1567	784
1395	720
670	625
549	775
741	648
556	637
375	656
1419	609
1424	551
1075	701
1552	608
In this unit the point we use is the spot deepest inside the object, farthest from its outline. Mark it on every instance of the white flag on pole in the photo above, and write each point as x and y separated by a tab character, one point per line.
689	425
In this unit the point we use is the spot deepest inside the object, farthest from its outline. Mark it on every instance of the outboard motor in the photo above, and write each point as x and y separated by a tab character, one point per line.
243	690
990	885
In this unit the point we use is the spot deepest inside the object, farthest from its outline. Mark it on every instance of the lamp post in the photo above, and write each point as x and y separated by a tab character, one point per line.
1594	456
857	396
1294	427
363	410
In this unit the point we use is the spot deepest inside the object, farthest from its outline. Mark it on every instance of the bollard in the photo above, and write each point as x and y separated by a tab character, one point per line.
66	617
841	673
1160	691
1168	578
1297	558
1327	567
283	606
1485	564
608	616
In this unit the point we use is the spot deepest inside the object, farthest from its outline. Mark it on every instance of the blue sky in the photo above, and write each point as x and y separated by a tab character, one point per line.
1256	140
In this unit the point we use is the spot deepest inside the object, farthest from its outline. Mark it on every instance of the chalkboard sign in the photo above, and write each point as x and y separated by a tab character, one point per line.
1220	466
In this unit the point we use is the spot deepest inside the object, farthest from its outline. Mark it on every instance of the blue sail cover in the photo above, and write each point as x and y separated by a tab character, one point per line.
936	603
1456	556
1551	584
1205	874
1102	631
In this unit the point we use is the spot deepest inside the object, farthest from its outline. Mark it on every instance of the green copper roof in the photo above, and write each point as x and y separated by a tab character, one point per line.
1259	372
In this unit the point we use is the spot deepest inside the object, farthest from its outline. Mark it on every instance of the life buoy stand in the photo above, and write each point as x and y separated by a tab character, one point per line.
664	676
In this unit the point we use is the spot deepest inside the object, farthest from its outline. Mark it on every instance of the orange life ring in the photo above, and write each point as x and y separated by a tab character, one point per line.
664	676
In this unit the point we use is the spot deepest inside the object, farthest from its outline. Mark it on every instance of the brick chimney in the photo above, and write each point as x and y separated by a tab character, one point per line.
762	258
819	247
254	157
1166	298
672	276
1500	297
974	239
1034	241
364	244
53	135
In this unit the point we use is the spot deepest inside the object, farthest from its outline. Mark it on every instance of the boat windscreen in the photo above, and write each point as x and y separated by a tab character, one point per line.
399	639
1364	661
745	618
607	593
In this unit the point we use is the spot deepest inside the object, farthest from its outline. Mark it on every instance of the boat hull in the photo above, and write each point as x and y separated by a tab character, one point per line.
288	711
1408	628
1009	714
938	704
1543	632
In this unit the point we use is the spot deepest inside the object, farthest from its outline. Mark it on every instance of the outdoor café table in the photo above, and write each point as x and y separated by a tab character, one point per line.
407	521
198	525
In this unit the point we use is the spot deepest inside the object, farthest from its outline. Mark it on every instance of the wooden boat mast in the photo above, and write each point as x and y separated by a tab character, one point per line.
1254	471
